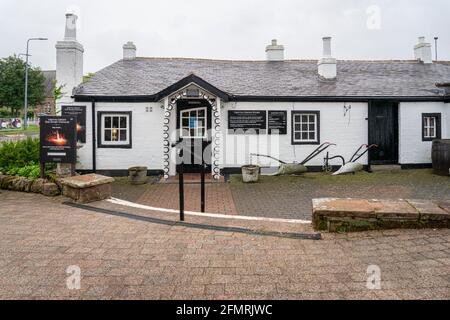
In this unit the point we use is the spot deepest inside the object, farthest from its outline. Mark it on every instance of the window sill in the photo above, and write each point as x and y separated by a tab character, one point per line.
306	143
112	146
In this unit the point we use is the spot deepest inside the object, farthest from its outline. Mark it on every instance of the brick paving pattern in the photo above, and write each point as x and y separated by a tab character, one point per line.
165	195
290	197
122	258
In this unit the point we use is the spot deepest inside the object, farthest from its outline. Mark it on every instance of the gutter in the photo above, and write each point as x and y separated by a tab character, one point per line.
156	98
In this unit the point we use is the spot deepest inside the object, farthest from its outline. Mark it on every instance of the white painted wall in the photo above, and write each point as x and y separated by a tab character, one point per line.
412	149
146	138
84	154
347	132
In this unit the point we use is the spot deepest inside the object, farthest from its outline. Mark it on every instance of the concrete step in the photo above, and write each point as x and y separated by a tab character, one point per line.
386	168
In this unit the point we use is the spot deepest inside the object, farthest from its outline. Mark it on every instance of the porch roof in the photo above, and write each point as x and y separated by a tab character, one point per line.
152	77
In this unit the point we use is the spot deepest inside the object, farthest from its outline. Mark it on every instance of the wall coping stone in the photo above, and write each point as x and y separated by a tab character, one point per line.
86	181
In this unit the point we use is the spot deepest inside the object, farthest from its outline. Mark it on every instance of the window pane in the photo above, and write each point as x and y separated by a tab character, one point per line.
123	135
193	114
312	127
312	136
107	122
304	135
123	122
115	123
107	135
201	113
432	122
304	118
432	133
297	118
297	127
312	118
304	127
185	122
115	135
297	136
192	133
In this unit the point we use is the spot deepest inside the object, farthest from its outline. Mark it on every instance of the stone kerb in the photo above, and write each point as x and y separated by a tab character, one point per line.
347	215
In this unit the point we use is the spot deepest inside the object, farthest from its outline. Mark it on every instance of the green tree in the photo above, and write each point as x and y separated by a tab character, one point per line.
57	91
12	83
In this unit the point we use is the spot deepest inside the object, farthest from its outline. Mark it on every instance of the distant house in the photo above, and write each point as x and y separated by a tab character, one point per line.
48	106
138	110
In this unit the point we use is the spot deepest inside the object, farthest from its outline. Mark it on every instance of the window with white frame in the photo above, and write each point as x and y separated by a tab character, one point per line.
431	126
193	123
115	130
305	127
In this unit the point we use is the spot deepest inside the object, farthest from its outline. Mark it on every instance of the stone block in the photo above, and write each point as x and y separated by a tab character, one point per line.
89	194
394	210
342	225
37	186
429	210
87	188
50	189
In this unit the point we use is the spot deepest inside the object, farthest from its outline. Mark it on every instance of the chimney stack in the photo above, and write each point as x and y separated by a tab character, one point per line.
275	52
129	51
327	66
69	59
422	51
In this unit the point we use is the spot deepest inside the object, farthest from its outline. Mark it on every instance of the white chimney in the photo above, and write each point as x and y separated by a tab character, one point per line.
422	51
129	51
327	65
275	52
69	59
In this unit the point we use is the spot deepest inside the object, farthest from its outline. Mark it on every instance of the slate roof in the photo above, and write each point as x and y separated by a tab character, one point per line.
50	77
290	78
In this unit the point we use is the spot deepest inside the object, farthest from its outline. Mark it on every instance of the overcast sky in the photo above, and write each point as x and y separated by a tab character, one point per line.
226	29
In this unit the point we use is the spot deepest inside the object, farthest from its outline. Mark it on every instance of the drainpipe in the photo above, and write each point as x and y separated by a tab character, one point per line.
94	139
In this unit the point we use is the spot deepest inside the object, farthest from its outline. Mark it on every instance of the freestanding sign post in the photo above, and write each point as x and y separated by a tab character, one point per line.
58	141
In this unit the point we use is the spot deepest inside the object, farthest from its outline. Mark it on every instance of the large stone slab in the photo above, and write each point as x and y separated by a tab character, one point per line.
87	188
334	207
347	215
429	210
86	181
394	209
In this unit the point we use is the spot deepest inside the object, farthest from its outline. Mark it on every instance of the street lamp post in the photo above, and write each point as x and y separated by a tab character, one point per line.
26	82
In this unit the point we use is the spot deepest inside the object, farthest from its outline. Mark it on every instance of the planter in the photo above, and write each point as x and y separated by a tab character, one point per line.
138	175
250	173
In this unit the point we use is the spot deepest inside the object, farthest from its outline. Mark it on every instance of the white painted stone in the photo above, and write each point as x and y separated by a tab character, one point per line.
69	59
274	51
129	51
327	65
422	51
412	149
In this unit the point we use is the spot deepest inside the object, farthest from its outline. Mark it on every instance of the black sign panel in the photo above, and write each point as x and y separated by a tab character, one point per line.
58	139
277	122
247	120
80	113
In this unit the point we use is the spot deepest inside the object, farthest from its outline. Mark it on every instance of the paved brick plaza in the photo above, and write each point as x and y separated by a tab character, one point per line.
127	258
289	197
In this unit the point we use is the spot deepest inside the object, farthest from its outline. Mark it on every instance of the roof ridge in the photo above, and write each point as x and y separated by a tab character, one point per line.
290	60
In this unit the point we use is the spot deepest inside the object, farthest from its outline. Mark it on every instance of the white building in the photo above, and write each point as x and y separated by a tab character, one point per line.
134	107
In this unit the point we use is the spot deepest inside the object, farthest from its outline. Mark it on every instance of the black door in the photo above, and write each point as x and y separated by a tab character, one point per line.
383	131
194	134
